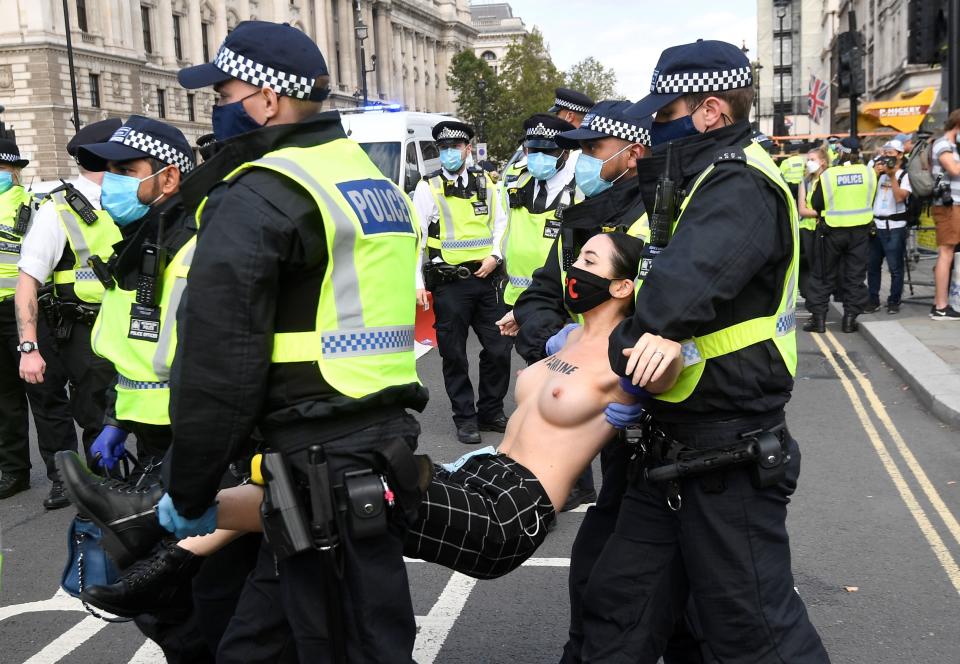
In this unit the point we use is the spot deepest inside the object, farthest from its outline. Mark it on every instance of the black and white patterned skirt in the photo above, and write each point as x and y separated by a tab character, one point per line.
483	520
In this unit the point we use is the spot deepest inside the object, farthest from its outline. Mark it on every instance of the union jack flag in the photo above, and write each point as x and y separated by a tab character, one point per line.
817	99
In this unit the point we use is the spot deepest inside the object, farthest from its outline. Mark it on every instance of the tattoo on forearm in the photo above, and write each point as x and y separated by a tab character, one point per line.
29	319
554	363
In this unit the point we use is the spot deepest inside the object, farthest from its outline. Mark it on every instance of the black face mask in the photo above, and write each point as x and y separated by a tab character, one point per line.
585	290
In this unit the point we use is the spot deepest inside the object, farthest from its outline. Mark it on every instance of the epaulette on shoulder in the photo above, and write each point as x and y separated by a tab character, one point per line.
730	154
433	174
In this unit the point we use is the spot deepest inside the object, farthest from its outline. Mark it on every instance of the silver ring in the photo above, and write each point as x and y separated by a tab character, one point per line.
656	352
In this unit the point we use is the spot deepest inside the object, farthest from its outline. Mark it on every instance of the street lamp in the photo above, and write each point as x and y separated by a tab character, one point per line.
781	6
362	32
482	88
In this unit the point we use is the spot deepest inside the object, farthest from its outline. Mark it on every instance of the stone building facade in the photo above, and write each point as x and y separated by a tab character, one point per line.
127	54
497	28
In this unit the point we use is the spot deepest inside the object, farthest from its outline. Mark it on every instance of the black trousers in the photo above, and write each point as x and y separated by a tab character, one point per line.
48	401
841	264
807	260
290	600
458	306
90	377
726	548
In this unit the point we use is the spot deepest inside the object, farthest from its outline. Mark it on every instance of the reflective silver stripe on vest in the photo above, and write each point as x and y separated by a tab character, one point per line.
521	282
130	384
445	213
9	259
367	341
349	340
828	194
10	282
77	242
167	326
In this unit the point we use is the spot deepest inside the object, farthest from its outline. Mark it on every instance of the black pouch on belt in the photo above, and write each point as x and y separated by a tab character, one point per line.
409	473
366	515
771	463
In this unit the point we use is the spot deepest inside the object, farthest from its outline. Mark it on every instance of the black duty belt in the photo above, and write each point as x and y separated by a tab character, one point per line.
74	312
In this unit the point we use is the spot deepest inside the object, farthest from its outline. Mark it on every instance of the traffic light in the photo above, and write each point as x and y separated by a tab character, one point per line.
851	79
927	23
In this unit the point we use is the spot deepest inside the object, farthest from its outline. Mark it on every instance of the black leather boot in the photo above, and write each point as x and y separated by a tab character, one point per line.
849	323
817	323
157	584
125	513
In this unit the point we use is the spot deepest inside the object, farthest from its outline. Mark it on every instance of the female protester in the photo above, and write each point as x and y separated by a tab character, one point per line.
487	512
816	165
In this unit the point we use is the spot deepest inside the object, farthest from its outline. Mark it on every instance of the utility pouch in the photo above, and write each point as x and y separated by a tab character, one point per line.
365	504
409	473
771	463
49	310
284	524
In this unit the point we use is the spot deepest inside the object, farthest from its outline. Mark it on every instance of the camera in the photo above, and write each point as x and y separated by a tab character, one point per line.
887	162
941	191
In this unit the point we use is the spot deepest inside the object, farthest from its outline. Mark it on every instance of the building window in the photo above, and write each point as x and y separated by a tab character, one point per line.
205	38
147	35
489	56
161	103
95	90
177	41
82	15
782	48
191	108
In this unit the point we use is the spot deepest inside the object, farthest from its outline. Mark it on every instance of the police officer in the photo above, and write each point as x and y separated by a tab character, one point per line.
536	201
463	222
845	201
793	168
48	400
725	287
69	231
286	327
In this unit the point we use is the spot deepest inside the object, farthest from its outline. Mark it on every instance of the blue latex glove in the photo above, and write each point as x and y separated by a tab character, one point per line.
171	520
623	415
555	343
108	448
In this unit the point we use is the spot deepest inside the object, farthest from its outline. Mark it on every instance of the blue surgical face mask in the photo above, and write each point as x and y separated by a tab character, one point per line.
674	130
588	174
6	181
118	196
232	120
451	159
541	165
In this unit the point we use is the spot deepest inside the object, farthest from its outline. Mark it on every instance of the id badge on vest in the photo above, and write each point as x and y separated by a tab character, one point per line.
480	208
551	229
144	323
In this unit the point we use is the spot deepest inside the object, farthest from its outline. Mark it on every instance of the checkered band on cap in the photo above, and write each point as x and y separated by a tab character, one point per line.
153	147
576	108
449	134
619	129
703	81
6	156
254	73
541	132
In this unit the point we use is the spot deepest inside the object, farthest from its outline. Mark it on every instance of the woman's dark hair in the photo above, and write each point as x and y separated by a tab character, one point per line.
626	255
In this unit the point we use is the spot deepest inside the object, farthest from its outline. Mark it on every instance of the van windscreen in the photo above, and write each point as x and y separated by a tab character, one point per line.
387	158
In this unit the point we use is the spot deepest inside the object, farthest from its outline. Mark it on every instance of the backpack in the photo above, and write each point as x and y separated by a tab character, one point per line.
920	170
914	204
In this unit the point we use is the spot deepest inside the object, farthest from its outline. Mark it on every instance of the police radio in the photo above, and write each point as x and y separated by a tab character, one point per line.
80	205
151	264
24	215
662	219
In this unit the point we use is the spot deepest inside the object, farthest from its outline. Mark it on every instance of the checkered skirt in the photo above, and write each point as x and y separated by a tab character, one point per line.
483	520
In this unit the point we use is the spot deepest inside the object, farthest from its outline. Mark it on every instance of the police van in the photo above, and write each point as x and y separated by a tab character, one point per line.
399	142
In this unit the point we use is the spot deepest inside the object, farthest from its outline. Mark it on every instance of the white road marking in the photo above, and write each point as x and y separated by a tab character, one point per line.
529	562
67	642
433	628
579	508
60	601
149	653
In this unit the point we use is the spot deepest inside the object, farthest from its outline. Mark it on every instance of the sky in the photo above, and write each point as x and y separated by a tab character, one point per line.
629	35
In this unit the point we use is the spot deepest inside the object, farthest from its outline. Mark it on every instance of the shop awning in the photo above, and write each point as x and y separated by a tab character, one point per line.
905	113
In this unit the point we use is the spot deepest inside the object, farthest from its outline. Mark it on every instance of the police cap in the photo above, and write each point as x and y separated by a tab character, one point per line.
97	132
140	138
608	118
451	131
266	55
849	144
10	154
570	100
703	66
540	130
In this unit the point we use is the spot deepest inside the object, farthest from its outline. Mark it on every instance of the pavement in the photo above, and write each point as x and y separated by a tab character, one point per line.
924	352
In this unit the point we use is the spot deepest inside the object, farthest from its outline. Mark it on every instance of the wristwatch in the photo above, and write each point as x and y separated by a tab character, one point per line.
499	260
27	346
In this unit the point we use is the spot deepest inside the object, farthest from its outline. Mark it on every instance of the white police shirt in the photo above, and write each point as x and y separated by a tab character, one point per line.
46	240
886	205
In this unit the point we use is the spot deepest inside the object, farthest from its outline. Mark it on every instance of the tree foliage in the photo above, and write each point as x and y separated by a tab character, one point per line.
592	78
478	93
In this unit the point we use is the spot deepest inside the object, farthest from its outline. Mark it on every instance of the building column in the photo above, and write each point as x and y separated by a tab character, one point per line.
434	73
348	47
381	36
219	31
445	104
195	23
409	87
164	33
321	20
396	64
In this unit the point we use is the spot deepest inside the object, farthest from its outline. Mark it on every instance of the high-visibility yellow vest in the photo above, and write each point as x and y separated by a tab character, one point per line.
809	223
143	356
779	327
848	193
10	240
466	224
363	339
792	168
529	236
80	282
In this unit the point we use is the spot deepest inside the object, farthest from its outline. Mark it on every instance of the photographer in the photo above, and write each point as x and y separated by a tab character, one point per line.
890	217
946	213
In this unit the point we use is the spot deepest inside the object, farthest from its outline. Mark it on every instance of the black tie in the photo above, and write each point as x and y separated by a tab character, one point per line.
540	200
